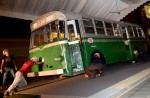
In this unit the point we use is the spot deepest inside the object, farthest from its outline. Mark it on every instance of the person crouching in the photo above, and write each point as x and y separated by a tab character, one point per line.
96	67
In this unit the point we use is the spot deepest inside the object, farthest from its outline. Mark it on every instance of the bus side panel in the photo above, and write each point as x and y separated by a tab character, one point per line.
113	51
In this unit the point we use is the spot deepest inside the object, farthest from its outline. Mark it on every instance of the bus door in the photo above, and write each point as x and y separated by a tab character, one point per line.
127	43
75	54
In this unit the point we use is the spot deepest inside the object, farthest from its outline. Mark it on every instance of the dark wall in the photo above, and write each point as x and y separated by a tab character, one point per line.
15	35
14	28
19	48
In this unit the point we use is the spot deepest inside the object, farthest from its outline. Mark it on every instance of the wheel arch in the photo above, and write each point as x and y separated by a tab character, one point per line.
101	56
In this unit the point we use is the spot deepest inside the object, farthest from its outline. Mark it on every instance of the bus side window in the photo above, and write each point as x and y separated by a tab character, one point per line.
62	35
109	29
78	31
99	27
62	29
88	26
116	29
123	30
135	31
36	40
130	32
71	33
140	32
53	36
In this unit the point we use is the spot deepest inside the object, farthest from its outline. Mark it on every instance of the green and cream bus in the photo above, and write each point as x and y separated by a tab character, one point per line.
67	42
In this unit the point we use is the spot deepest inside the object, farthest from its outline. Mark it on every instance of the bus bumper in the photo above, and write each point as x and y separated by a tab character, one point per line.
45	73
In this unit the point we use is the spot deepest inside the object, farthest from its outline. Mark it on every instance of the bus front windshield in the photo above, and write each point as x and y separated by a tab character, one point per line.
51	32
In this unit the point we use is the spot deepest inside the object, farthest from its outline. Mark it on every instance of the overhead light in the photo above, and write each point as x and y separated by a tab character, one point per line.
131	1
147	10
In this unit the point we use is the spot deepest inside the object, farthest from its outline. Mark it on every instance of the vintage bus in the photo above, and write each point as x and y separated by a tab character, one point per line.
67	42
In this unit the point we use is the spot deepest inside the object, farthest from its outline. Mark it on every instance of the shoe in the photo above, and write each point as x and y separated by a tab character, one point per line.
133	62
97	75
101	74
86	76
6	93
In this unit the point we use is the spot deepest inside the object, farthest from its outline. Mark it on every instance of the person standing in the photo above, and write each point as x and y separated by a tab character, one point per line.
20	80
8	65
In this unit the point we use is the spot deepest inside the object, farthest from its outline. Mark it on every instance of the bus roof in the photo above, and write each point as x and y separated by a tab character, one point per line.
47	18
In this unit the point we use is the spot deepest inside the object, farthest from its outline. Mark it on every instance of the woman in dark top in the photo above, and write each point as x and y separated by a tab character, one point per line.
7	66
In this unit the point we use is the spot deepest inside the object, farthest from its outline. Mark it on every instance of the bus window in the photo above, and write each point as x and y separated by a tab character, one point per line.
135	31
116	29
51	32
130	32
40	37
62	29
36	40
109	29
78	31
71	32
140	32
99	27
88	26
123	30
57	31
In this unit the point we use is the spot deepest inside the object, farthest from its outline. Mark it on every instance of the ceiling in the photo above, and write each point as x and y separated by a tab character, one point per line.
31	9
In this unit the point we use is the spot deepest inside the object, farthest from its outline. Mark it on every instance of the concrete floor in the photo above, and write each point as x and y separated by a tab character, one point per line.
79	87
142	90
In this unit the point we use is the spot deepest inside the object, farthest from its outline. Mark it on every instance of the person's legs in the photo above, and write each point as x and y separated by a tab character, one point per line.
5	75
12	71
89	71
23	81
99	67
13	85
99	71
19	81
1	82
15	82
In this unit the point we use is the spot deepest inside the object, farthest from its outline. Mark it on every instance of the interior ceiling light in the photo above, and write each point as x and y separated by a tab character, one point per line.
131	1
147	10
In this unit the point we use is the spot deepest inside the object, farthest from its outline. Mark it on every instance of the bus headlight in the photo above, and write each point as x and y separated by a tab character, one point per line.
43	59
58	59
